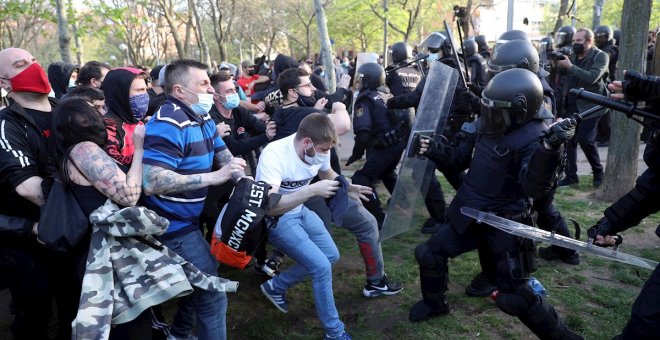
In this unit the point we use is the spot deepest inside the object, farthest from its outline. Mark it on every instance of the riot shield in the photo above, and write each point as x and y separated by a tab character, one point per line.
362	58
407	203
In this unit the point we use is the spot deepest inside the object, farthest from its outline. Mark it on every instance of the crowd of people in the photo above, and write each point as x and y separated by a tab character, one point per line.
177	139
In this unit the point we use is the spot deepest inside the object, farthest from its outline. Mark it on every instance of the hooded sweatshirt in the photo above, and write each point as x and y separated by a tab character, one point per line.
59	74
119	120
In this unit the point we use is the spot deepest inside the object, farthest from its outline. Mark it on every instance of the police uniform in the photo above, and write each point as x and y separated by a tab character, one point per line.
377	130
507	169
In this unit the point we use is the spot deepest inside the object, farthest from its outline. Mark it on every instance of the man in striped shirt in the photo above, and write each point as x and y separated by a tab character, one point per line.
183	156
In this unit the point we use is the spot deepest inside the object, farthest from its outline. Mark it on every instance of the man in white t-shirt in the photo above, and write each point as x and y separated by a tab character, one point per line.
289	165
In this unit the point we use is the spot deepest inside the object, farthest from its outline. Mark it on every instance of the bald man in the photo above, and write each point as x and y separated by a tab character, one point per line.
34	274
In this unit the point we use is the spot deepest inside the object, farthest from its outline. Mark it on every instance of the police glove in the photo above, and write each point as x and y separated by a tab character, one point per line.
358	150
602	230
439	151
559	133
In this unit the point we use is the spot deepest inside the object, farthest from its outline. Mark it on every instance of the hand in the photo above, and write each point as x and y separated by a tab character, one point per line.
605	241
352	160
617	89
564	63
320	104
225	173
262	116
385	96
223	129
359	192
325	188
138	136
261	106
559	133
338	106
271	130
426	145
344	81
603	234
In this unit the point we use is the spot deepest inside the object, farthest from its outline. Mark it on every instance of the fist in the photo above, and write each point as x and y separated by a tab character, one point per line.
559	133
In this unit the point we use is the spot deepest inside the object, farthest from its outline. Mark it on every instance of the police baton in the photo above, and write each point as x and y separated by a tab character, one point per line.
628	109
422	57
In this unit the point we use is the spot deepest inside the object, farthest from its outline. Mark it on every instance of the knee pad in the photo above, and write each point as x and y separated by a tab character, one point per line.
427	259
516	303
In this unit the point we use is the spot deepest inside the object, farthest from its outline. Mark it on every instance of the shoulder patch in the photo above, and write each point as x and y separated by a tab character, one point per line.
359	112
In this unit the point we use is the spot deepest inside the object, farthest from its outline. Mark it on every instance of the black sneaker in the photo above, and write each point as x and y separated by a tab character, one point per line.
421	311
598	180
384	287
481	286
552	253
567	181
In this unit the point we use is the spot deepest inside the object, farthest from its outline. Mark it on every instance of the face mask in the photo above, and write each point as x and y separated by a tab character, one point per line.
432	57
32	79
250	73
232	101
306	101
204	102
72	82
317	159
578	48
139	104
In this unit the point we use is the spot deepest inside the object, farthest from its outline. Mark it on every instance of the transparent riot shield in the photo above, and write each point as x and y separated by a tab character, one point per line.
407	203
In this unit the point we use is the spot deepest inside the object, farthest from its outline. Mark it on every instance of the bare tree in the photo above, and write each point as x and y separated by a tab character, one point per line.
168	8
63	32
21	22
205	56
326	49
598	12
412	9
564	9
624	142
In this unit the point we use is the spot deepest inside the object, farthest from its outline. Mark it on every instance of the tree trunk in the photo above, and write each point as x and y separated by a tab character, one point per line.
598	12
624	141
563	7
171	22
205	55
216	18
63	32
326	49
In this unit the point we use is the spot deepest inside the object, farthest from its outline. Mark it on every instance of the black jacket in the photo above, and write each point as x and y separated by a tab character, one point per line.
247	132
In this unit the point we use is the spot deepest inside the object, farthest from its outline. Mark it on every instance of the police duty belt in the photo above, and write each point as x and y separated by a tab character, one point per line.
537	234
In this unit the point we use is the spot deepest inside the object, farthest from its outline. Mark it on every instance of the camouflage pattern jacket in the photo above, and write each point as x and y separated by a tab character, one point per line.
128	271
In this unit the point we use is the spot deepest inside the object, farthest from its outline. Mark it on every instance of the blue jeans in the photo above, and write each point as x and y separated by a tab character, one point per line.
303	237
210	308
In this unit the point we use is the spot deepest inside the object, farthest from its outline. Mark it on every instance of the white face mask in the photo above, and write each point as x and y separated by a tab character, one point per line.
318	158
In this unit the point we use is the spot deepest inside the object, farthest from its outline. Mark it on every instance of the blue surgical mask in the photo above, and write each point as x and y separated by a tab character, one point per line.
432	57
139	104
203	106
232	101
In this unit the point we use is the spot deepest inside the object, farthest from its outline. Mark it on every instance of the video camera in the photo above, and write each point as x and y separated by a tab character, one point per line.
460	12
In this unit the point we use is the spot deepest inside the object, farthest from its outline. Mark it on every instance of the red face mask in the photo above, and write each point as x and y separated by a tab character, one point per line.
32	79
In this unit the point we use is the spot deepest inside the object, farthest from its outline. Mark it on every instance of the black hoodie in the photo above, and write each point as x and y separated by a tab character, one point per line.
59	74
119	120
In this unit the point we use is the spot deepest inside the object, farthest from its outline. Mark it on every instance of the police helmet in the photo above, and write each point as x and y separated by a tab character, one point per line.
481	41
401	51
371	76
564	37
510	36
510	100
617	37
513	54
602	35
549	43
439	41
470	47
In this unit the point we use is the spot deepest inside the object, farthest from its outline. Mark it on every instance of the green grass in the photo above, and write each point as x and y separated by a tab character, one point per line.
594	298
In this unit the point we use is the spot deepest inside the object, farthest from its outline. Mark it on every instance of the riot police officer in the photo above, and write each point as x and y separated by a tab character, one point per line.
484	50
402	78
475	62
509	36
508	167
461	111
604	36
379	132
640	202
564	36
521	54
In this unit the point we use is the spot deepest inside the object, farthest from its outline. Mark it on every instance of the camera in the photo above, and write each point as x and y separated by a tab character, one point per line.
556	55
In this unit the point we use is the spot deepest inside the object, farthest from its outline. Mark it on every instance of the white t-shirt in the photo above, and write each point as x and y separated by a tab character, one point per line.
279	164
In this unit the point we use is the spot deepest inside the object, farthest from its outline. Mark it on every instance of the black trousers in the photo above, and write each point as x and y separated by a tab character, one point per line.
644	320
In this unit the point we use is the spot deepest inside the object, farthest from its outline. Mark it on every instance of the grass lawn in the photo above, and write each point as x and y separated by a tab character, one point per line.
594	298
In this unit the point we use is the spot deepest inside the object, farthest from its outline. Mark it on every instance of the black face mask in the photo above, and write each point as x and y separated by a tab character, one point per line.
306	101
250	72
578	49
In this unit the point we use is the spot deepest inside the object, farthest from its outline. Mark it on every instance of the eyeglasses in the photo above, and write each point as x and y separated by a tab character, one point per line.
308	85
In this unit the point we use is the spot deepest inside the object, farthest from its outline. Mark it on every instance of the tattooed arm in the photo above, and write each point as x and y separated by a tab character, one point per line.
157	180
104	174
225	157
30	189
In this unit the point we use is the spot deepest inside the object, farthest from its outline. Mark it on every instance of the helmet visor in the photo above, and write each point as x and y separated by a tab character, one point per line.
495	120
